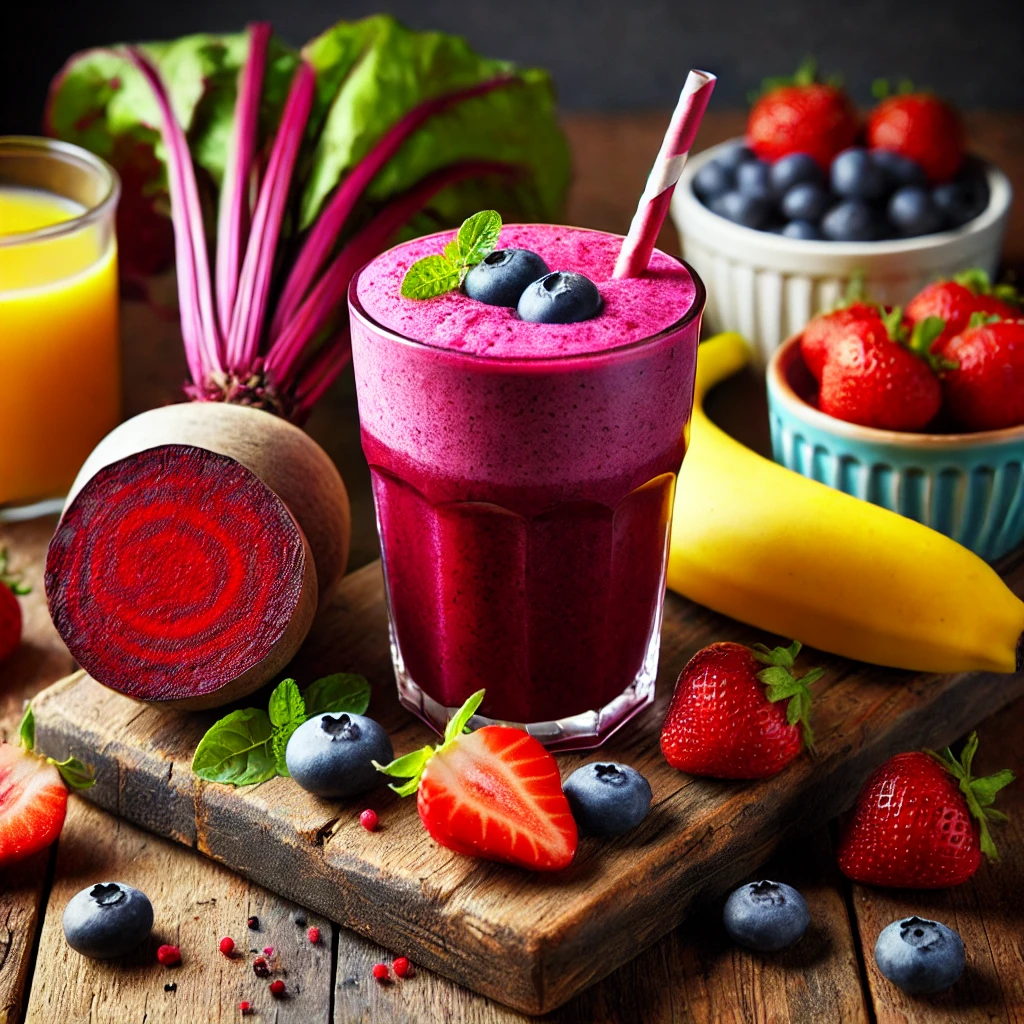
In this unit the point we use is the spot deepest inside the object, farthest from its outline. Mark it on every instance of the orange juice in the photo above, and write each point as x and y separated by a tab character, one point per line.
59	354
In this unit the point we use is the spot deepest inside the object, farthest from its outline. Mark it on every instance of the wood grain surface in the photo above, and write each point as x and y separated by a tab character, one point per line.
532	942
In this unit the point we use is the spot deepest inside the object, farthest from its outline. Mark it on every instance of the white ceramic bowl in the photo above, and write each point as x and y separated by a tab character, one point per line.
767	287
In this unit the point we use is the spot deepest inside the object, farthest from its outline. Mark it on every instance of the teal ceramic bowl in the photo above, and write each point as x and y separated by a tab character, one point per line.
968	486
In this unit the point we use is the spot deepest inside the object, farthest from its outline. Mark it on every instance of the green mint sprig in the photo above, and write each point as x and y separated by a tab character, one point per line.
439	273
247	747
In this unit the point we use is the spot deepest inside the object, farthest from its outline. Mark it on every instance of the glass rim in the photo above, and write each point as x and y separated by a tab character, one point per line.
65	152
696	309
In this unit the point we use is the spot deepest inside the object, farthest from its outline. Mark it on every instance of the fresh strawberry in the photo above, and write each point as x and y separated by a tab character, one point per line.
821	334
985	390
494	793
10	610
33	794
921	821
872	378
801	115
956	300
921	128
726	718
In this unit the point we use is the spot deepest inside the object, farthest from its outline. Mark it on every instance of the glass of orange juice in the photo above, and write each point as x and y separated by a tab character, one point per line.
60	387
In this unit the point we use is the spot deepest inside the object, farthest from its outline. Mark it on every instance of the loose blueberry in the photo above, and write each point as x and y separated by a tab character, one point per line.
333	755
920	956
852	220
912	211
753	178
607	799
855	175
735	155
750	211
561	297
801	229
962	200
805	202
107	920
712	180
795	169
502	277
898	170
766	916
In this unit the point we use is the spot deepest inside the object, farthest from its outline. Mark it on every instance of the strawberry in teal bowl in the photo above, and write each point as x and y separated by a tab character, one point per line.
917	409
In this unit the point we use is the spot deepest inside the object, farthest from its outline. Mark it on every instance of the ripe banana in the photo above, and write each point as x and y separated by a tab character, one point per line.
771	548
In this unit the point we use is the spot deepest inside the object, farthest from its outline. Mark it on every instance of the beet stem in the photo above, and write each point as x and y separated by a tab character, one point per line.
324	233
233	213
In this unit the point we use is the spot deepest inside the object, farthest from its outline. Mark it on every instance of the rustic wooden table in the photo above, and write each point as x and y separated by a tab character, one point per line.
692	975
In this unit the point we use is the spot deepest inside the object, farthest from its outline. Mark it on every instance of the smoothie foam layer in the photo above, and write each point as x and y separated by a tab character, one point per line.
633	309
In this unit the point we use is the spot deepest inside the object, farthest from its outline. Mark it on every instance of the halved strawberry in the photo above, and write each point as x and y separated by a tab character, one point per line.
33	795
494	793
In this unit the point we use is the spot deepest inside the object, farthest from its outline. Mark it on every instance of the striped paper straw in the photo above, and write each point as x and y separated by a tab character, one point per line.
650	215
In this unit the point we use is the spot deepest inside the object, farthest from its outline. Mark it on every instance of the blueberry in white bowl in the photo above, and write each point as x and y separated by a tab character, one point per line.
607	798
734	155
332	755
852	220
855	175
753	178
899	170
107	920
713	180
795	169
561	297
805	201
803	229
912	211
502	277
750	211
920	956
766	916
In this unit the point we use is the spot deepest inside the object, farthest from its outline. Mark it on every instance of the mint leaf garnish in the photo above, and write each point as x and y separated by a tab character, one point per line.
287	708
430	276
478	236
439	273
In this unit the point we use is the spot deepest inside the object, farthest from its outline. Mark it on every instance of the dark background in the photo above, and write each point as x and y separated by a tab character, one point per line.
606	54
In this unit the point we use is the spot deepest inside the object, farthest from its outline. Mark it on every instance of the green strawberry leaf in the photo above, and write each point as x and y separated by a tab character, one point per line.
27	729
430	277
781	684
12	580
341	693
982	319
287	709
974	279
410	766
478	236
978	793
237	750
76	774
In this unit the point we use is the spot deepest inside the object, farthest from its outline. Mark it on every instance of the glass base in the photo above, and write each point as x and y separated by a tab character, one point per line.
584	731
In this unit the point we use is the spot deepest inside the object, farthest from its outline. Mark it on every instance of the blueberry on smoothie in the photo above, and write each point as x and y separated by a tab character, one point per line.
502	277
766	916
107	920
855	175
561	297
920	956
332	755
607	799
912	211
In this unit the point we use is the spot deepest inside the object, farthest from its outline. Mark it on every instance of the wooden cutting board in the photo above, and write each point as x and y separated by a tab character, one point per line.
531	941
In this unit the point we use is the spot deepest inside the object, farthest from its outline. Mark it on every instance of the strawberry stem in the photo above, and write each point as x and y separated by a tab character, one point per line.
980	794
12	580
781	684
410	766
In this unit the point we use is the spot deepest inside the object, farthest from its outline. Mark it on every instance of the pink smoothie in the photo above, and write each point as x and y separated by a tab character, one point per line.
523	475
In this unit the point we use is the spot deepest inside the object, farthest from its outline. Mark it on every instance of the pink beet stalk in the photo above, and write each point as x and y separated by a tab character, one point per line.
199	326
254	283
233	214
650	215
324	233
